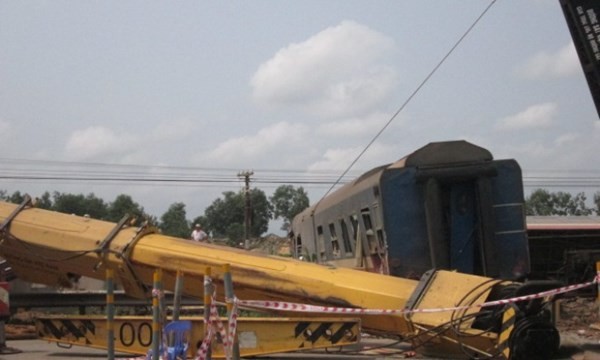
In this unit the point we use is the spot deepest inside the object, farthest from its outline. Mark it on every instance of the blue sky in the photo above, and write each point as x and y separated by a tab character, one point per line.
293	86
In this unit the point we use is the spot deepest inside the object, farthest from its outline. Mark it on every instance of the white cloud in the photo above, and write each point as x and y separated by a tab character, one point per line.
335	159
561	63
97	141
5	129
173	130
533	152
4	126
535	116
341	158
369	125
338	71
566	139
273	139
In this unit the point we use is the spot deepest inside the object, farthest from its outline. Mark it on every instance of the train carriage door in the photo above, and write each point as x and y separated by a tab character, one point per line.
374	246
464	230
348	245
454	225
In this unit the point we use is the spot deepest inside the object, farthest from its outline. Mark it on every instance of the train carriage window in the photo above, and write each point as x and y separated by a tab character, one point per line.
335	245
298	246
367	219
381	240
346	238
320	242
371	240
354	223
376	191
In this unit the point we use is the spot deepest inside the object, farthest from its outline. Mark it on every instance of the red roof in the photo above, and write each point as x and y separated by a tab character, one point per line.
563	223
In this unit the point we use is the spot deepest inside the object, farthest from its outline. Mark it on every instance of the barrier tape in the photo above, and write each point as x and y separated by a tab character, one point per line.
215	325
232	322
210	333
160	294
216	321
296	307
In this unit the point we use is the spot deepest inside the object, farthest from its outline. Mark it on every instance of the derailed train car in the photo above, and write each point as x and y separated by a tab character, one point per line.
448	205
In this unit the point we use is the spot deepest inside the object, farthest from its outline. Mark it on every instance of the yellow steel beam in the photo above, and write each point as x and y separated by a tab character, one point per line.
47	247
449	333
257	336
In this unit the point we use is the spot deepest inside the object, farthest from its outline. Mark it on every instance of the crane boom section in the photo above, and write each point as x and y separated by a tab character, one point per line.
49	247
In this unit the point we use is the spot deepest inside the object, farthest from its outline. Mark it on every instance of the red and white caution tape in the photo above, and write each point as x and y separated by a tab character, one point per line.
295	307
211	327
232	322
216	325
160	295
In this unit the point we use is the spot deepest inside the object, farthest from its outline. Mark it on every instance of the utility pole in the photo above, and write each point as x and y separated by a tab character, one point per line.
246	175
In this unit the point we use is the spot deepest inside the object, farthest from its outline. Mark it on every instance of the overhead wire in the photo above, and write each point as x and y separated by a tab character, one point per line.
49	171
167	175
62	172
191	177
412	95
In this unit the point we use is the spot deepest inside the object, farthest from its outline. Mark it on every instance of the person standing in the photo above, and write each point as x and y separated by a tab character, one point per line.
198	234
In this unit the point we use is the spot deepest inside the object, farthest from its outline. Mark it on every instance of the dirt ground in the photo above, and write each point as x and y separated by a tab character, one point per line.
579	326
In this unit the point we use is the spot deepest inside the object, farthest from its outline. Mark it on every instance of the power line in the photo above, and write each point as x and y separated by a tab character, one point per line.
165	168
413	94
158	180
193	178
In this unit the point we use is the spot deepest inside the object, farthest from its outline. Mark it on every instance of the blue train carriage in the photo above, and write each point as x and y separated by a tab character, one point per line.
448	205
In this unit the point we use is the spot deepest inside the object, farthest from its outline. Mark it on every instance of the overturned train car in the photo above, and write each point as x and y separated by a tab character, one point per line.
448	205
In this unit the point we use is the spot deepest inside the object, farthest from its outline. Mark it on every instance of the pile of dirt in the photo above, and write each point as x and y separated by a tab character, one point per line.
272	245
579	317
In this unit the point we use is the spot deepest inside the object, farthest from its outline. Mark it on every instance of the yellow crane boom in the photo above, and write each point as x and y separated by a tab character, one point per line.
49	247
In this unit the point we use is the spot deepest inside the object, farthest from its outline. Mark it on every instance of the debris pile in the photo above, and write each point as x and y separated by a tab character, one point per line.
580	316
272	245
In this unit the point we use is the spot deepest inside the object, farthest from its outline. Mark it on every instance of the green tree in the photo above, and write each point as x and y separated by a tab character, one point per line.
597	202
288	202
544	203
200	220
124	204
539	203
16	197
567	204
235	234
174	223
223	213
44	201
261	212
79	204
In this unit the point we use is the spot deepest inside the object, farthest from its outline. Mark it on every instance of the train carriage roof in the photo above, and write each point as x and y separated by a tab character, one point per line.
432	154
446	152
